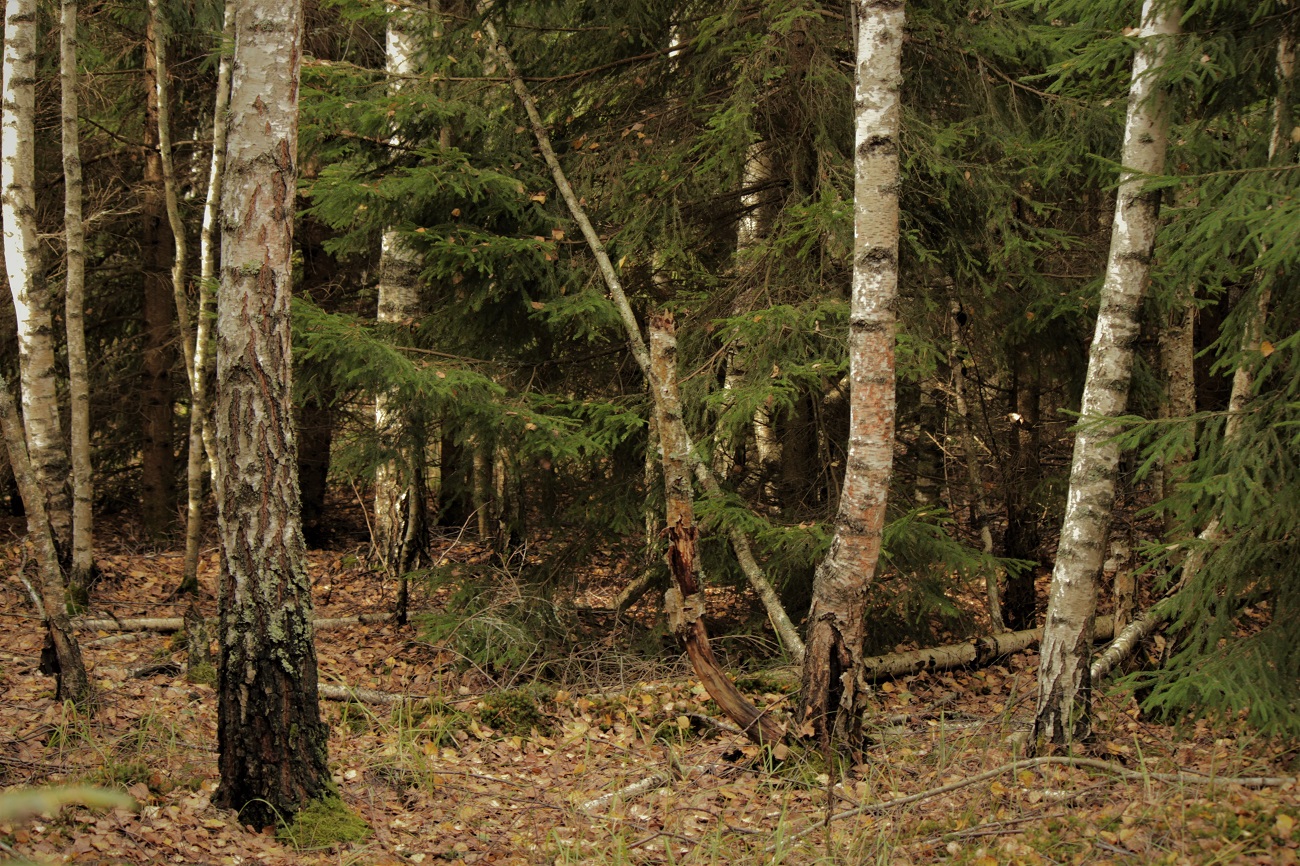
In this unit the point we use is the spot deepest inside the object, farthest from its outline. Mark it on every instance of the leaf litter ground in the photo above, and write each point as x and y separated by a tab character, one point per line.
632	766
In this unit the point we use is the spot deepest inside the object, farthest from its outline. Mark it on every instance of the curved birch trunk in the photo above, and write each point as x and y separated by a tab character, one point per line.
83	491
201	441
830	700
272	743
1243	379
1063	672
67	663
780	620
40	402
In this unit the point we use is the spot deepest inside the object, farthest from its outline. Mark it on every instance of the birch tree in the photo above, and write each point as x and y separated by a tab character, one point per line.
1063	676
36	357
833	686
201	442
399	301
271	740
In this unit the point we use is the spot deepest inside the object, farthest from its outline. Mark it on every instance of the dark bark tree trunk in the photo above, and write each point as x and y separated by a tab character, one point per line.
685	602
1023	537
271	740
315	438
158	307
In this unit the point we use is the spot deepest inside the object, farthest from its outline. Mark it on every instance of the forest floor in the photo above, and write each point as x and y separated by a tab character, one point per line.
619	760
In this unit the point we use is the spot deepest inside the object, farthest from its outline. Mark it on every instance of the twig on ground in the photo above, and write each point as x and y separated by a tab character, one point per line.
1066	760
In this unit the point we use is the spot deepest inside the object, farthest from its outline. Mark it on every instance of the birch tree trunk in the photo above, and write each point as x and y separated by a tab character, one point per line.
1063	674
36	357
201	442
271	740
833	686
399	301
67	663
83	492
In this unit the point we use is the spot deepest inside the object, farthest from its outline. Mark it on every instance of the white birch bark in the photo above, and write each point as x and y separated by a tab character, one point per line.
399	301
68	665
1063	672
833	679
83	491
40	405
1243	379
271	741
201	441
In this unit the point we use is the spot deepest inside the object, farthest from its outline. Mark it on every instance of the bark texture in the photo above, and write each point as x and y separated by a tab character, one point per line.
1063	674
62	654
201	441
157	311
685	602
833	685
83	492
271	739
36	357
399	302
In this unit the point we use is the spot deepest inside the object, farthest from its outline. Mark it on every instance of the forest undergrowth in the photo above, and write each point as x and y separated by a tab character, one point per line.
611	757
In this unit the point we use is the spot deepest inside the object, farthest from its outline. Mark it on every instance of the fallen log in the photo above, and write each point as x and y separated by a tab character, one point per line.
167	624
980	651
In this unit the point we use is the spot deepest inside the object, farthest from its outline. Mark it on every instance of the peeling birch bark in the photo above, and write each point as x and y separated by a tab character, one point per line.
271	741
684	602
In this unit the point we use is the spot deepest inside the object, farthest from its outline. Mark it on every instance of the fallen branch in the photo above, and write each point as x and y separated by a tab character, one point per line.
980	651
365	696
166	624
1066	760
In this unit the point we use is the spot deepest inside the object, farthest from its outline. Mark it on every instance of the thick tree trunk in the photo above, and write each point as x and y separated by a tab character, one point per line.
83	492
65	661
271	740
158	309
36	356
833	687
1063	673
685	602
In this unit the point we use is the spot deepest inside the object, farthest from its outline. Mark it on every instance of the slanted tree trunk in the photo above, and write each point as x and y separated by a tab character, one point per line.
83	491
785	629
1063	673
158	309
685	601
64	653
36	356
399	302
272	743
833	687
